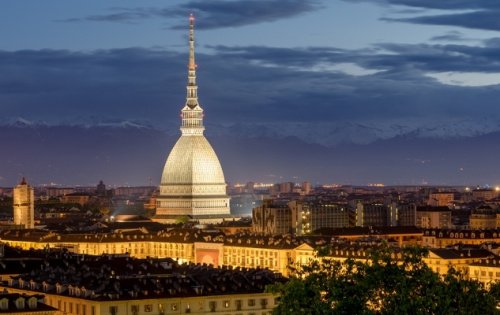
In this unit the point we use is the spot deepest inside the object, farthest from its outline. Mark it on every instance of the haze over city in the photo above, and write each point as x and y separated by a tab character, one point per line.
353	92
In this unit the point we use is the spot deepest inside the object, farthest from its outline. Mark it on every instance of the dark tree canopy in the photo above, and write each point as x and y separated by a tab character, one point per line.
388	282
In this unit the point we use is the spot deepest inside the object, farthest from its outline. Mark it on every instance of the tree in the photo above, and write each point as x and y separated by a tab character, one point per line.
389	281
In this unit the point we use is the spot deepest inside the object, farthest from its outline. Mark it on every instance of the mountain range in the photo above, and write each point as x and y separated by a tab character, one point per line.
134	152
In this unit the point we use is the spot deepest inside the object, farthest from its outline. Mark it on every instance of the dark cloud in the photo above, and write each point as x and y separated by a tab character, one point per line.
213	14
493	42
484	13
400	91
453	36
387	56
486	20
442	5
248	84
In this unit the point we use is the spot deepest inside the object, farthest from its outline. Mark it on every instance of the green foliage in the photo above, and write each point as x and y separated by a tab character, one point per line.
182	219
387	282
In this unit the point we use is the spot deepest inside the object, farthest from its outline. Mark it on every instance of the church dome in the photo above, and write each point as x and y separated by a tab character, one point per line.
192	183
192	161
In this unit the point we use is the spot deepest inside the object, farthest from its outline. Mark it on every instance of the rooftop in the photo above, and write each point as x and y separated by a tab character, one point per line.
109	277
12	303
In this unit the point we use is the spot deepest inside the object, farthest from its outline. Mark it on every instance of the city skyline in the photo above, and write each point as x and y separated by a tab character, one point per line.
329	76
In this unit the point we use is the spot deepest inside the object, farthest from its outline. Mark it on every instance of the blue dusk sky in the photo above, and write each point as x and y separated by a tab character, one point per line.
304	68
274	60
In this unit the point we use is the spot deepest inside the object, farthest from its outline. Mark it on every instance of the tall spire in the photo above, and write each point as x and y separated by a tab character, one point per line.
192	64
192	113
192	88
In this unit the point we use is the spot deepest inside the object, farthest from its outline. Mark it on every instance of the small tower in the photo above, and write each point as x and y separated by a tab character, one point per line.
24	205
101	189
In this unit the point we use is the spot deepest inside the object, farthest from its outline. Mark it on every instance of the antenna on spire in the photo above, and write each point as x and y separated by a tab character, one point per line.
192	113
192	64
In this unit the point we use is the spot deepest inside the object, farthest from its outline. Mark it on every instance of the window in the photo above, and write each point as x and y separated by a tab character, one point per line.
263	303
174	307
134	309
212	305
238	305
148	308
113	310
4	304
20	303
251	302
226	304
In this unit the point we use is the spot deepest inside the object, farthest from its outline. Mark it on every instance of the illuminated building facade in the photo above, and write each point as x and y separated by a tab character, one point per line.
434	217
193	246
311	216
272	217
486	271
24	205
192	183
372	214
275	253
441	199
438	238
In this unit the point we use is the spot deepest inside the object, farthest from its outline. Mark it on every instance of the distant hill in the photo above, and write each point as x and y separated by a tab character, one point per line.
127	153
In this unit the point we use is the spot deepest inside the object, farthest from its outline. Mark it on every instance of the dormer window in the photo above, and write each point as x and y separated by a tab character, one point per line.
59	289
32	303
20	303
4	304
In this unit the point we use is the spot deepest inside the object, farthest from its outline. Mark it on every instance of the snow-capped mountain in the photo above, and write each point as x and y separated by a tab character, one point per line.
131	153
329	134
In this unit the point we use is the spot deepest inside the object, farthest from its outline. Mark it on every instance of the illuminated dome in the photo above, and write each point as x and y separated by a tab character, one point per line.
192	161
192	183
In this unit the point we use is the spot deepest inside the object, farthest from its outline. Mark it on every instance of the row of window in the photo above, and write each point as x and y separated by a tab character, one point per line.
212	306
71	308
490	273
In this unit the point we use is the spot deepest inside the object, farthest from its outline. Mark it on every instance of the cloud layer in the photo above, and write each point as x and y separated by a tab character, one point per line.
252	84
213	14
481	14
